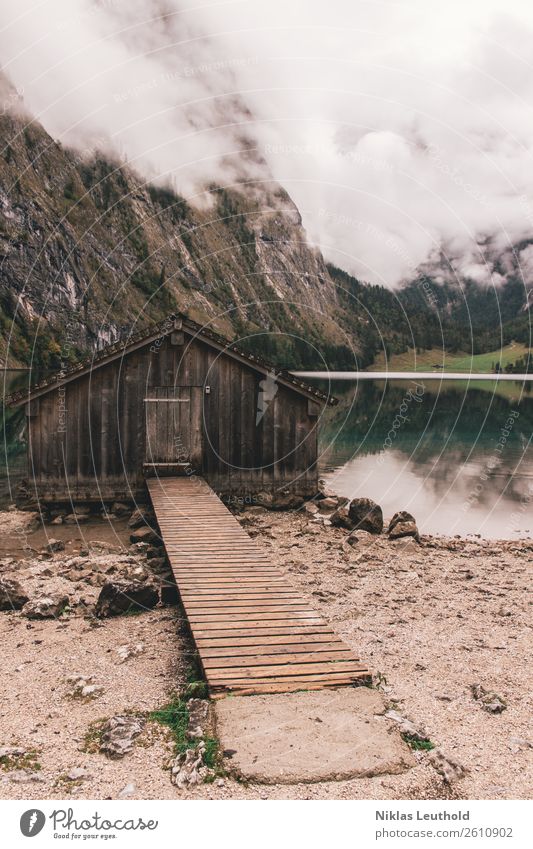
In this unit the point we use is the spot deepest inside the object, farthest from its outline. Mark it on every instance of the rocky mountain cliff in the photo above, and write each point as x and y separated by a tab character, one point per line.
88	250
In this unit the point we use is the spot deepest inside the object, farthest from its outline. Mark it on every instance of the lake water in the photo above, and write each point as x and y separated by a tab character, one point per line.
455	452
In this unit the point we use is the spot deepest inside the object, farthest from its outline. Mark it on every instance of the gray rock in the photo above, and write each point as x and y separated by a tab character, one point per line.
121	596
57	521
11	752
82	687
12	596
145	534
341	519
407	727
55	545
140	518
46	607
25	776
127	651
488	700
77	774
311	508
119	734
198	717
120	509
126	791
366	515
76	518
400	516
404	529
326	505
188	768
450	769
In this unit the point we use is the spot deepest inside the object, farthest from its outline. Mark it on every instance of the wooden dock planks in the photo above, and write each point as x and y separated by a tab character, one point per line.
254	632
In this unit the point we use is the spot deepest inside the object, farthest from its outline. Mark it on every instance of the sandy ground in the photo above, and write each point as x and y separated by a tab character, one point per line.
431	620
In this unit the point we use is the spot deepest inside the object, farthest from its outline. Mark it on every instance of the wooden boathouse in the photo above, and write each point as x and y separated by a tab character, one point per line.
176	398
181	414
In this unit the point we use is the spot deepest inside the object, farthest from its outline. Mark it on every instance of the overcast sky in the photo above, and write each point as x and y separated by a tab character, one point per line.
399	129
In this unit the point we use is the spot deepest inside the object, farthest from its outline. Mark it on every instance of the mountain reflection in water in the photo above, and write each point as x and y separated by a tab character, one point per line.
457	456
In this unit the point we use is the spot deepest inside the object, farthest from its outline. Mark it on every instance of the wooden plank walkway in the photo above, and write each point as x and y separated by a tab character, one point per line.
254	632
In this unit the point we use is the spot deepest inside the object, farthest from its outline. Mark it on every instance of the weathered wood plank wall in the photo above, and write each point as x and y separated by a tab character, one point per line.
101	451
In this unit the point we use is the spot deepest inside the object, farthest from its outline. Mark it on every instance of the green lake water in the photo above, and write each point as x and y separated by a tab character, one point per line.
456	454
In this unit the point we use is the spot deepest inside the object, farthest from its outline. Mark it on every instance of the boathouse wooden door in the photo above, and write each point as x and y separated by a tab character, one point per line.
173	416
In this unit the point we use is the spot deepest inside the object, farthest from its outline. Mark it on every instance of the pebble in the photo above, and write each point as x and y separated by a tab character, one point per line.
126	791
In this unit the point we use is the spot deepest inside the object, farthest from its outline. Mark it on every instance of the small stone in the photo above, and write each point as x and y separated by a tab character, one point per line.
126	791
311	508
77	774
119	734
11	752
341	519
55	545
24	776
140	518
489	700
188	768
57	521
46	607
407	727
325	505
404	529
145	534
450	770
126	651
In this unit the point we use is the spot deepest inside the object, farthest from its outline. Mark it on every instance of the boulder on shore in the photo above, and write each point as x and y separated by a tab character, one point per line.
366	515
121	596
403	524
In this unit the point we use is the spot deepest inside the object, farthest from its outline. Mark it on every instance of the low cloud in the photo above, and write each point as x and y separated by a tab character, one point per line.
402	131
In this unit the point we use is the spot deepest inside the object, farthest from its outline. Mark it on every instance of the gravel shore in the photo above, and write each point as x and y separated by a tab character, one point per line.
444	625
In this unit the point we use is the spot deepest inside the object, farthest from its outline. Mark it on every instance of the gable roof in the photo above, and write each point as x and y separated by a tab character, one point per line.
156	331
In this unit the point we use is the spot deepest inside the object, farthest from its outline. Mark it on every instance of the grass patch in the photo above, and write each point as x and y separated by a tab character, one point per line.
93	738
418	745
175	715
27	760
410	360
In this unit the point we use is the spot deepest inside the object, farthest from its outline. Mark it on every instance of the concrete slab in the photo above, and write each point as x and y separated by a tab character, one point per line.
321	735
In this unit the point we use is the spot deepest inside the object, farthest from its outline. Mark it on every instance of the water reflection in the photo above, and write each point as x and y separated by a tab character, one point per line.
457	456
